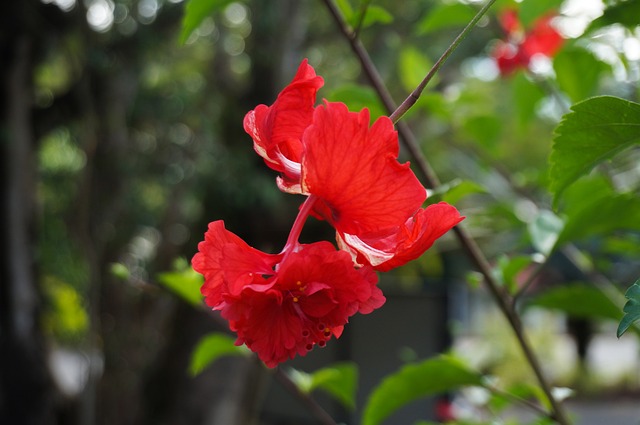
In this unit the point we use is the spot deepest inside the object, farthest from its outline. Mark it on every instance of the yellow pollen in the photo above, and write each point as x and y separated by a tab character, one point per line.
298	283
295	299
327	330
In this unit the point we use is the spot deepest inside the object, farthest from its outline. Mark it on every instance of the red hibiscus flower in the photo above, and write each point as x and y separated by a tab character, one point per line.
518	50
283	305
371	199
277	129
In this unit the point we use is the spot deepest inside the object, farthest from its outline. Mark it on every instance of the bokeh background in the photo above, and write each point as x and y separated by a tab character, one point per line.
120	143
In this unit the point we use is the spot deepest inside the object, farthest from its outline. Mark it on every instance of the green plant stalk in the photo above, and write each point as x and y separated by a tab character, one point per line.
417	92
469	245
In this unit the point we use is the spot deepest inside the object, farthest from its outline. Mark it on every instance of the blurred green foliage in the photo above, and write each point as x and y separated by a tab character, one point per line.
140	144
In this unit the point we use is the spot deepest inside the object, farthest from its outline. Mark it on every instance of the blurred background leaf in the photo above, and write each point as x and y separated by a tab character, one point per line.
413	381
213	347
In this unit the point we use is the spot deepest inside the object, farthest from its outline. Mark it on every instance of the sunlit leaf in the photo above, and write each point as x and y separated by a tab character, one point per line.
413	67
414	381
446	16
578	72
212	347
544	231
595	130
339	380
631	309
184	283
578	300
626	13
197	11
120	271
65	315
344	6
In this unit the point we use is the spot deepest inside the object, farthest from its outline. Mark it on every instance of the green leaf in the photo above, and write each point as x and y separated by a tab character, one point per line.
530	10
592	208
339	380
446	16
413	67
578	72
197	11
184	283
120	271
626	13
373	15
414	381
525	96
596	130
357	97
631	308
544	231
458	189
484	129
212	347
345	8
509	268
522	390
65	314
578	300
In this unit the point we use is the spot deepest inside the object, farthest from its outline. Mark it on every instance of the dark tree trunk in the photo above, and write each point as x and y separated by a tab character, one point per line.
25	387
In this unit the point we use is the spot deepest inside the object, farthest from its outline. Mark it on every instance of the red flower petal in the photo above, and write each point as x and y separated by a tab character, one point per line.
282	310
277	129
228	264
397	246
508	58
354	171
543	39
510	22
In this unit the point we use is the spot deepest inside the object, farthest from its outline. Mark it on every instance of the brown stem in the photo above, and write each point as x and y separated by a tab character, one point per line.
469	245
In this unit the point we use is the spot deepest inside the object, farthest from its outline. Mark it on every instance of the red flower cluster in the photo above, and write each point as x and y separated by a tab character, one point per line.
286	303
519	48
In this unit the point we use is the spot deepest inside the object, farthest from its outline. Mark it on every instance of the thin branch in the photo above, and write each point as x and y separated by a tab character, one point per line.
415	94
364	7
467	243
523	401
530	279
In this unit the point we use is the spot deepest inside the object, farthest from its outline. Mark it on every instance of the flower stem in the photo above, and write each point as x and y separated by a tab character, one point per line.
298	224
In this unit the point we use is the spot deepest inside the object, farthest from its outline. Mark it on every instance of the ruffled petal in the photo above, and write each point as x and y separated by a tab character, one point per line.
228	264
307	302
355	172
387	250
277	130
